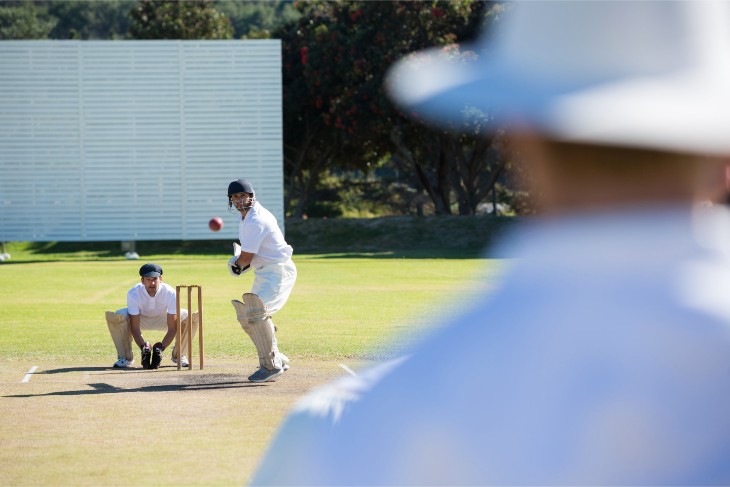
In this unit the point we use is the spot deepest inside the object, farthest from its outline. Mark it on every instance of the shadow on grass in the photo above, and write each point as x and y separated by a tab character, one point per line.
113	249
104	388
64	253
401	254
445	237
74	369
111	370
37	252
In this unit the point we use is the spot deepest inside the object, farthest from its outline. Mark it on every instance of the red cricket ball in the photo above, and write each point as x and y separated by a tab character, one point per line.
215	224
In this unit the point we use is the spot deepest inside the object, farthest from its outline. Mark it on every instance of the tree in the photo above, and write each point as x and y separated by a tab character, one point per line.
256	18
22	20
446	162
179	19
91	19
78	19
336	112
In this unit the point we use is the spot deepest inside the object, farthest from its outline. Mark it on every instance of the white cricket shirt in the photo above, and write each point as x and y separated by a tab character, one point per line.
139	302
259	234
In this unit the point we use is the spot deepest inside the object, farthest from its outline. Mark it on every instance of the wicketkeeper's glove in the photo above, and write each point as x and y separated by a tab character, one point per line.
146	355
157	350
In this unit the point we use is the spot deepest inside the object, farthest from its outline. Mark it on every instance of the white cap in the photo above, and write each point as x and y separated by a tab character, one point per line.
652	74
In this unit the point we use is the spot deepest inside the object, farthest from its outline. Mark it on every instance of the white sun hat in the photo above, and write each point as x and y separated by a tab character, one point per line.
652	74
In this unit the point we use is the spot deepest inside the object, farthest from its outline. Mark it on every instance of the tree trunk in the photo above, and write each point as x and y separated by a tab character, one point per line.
435	193
442	177
300	154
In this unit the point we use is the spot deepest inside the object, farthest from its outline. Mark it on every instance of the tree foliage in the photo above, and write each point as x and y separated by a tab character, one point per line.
79	19
91	19
111	19
179	19
257	18
336	112
22	20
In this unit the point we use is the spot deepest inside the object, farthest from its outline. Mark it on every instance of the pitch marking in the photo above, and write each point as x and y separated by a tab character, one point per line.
348	370
30	373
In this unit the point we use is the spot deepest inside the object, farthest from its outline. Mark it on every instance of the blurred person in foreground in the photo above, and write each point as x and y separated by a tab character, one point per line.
604	357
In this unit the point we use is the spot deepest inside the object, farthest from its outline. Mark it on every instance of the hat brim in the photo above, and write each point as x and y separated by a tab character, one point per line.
682	111
152	274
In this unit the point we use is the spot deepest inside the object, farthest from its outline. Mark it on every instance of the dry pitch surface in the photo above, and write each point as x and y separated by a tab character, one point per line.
85	424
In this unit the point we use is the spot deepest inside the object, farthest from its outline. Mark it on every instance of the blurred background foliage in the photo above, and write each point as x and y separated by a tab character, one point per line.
348	151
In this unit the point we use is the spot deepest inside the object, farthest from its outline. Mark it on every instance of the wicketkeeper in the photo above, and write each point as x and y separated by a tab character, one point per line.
151	305
264	250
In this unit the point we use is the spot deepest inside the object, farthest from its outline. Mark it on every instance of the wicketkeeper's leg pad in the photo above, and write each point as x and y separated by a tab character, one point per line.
255	321
121	333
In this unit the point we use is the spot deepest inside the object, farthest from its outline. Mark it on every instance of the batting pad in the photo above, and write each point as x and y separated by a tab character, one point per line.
121	334
184	334
252	316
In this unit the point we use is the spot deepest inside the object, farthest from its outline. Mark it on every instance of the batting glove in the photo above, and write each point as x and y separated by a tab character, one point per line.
233	266
235	269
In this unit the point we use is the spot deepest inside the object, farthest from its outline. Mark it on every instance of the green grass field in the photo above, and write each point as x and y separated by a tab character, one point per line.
76	421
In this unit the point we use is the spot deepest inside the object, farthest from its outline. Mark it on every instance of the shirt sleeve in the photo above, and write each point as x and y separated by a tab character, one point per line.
252	235
171	302
132	302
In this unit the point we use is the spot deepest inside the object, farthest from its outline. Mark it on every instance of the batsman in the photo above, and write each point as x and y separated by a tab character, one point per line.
263	250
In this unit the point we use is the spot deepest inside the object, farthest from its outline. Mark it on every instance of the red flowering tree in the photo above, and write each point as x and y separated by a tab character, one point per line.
337	115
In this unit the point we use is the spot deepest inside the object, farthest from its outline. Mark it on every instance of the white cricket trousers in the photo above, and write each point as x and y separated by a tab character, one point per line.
273	284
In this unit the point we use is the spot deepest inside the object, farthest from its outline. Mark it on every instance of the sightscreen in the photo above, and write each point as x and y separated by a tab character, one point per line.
135	140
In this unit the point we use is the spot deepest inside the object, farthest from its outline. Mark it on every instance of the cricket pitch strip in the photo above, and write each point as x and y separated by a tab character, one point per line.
85	424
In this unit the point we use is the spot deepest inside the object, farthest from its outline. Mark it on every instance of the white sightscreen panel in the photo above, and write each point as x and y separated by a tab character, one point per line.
135	140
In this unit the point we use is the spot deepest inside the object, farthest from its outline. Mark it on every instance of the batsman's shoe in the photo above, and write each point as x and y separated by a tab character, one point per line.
183	363
146	356
156	356
123	363
265	375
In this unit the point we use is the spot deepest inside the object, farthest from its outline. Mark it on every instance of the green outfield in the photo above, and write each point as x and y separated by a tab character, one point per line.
77	421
